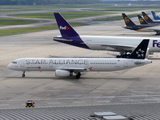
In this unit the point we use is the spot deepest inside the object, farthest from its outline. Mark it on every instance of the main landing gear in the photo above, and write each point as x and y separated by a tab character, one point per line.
157	33
23	75
78	75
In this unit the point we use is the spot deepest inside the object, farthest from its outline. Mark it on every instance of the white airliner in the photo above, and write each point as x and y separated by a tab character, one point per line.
112	43
71	66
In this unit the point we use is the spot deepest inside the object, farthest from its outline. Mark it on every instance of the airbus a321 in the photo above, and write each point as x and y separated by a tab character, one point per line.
75	66
121	44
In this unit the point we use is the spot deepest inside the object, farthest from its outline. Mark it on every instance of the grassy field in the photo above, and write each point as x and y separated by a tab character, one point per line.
32	29
88	10
11	21
114	18
124	8
66	14
20	8
91	7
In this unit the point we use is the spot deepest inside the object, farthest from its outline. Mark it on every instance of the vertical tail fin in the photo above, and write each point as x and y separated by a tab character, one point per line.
146	17
155	16
141	20
64	27
141	50
127	20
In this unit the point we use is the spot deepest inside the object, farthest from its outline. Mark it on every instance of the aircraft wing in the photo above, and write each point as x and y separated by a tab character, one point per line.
74	69
118	46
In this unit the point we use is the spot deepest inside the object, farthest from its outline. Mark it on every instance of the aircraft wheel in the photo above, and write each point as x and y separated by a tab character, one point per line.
158	33
118	56
78	75
23	75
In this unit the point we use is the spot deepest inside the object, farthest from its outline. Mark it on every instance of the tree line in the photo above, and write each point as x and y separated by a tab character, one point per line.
42	2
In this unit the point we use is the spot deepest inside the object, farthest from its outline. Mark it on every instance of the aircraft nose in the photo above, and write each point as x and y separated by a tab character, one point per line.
9	66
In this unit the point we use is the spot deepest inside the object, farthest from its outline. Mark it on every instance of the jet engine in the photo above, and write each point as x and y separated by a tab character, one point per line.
62	73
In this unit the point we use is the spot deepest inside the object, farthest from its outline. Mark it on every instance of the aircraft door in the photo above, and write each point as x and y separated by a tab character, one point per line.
22	64
126	63
86	63
50	64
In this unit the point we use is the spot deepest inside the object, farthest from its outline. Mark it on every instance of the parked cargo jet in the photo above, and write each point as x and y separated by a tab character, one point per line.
71	66
156	17
112	43
148	19
142	28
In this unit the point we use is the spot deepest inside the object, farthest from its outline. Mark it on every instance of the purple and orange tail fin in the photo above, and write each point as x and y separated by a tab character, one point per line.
65	28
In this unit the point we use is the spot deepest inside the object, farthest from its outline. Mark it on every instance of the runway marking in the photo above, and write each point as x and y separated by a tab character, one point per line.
79	102
110	78
140	93
94	79
4	104
106	101
150	75
54	103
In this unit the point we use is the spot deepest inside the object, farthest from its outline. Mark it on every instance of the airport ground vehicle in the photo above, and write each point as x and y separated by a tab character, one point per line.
30	103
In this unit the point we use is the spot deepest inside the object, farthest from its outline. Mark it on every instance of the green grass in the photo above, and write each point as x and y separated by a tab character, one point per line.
16	8
12	21
90	7
65	14
32	29
115	18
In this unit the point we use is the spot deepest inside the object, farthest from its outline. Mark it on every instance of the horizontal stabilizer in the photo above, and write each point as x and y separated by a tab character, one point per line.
61	39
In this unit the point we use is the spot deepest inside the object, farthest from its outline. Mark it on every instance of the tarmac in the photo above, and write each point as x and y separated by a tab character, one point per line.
132	92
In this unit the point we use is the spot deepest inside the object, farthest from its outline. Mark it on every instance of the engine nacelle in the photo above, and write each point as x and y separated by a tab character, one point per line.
62	73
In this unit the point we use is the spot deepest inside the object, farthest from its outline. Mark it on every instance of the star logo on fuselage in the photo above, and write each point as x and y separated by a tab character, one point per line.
39	67
140	53
90	68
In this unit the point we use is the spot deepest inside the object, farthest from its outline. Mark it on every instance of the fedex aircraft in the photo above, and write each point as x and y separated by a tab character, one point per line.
112	43
155	16
141	28
71	66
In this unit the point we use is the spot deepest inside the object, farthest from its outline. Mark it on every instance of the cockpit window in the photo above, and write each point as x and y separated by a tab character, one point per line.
14	62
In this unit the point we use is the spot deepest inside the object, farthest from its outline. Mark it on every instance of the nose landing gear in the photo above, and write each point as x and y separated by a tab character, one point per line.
23	75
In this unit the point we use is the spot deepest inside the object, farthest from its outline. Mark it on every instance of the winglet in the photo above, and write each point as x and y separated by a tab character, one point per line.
127	20
64	27
155	16
146	17
141	20
141	51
